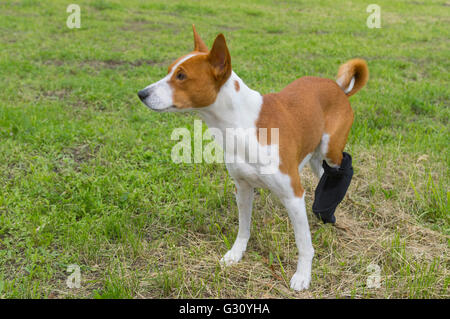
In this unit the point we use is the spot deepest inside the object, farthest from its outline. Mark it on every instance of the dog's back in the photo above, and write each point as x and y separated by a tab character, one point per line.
310	107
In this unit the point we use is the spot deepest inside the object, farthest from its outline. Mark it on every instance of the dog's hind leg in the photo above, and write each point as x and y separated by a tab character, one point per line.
244	199
337	172
292	195
297	214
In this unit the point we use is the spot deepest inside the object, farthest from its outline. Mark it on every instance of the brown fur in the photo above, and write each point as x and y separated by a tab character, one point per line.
199	45
303	111
236	86
354	68
204	74
199	88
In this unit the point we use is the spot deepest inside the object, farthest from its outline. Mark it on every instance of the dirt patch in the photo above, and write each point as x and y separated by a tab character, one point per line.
274	31
113	64
54	62
139	25
228	28
109	64
79	154
319	32
83	153
55	94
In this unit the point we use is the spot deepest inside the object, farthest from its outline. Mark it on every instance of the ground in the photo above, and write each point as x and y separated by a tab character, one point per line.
86	175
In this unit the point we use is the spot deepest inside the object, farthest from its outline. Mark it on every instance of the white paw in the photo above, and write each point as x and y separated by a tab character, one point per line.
300	281
231	257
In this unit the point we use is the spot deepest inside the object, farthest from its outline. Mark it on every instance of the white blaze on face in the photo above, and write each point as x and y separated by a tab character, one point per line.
160	94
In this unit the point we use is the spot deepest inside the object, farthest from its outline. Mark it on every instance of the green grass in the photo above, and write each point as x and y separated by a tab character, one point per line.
86	175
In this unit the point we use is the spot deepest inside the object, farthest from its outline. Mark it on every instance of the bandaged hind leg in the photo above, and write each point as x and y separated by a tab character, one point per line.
332	188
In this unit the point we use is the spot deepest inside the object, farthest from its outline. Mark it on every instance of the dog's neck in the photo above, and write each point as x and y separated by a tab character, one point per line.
236	106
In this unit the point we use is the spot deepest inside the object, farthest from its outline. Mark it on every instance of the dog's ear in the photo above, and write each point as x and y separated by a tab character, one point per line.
199	45
219	58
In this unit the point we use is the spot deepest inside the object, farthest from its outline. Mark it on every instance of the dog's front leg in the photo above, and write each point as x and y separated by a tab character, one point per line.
297	214
244	199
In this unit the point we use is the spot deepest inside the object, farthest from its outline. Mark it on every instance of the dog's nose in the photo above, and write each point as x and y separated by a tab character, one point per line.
143	94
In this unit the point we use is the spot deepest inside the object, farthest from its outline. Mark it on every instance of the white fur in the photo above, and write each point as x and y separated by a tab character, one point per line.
340	81
316	163
324	144
322	152
244	199
304	162
341	84
297	214
350	86
161	97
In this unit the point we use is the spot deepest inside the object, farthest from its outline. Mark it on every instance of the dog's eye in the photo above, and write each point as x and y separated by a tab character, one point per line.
181	76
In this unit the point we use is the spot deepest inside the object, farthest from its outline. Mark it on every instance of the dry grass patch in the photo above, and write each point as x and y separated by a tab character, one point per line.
370	229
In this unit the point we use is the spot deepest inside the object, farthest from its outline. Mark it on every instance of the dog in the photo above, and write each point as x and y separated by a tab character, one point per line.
313	117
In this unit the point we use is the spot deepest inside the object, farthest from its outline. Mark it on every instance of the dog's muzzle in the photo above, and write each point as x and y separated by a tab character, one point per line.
143	94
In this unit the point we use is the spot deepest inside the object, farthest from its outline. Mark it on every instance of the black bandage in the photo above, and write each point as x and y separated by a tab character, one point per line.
332	188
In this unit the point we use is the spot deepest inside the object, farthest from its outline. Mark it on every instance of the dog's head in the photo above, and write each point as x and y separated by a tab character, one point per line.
193	81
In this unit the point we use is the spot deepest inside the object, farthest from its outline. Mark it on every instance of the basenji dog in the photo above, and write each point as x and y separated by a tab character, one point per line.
312	116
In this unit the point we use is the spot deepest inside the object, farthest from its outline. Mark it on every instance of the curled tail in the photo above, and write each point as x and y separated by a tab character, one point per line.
352	76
